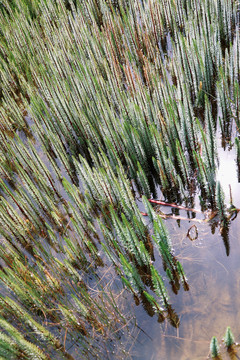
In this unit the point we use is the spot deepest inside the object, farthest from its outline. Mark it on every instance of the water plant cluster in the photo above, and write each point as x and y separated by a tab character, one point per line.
229	344
105	105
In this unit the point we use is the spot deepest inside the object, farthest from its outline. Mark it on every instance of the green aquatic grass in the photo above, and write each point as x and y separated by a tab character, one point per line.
214	348
229	338
102	105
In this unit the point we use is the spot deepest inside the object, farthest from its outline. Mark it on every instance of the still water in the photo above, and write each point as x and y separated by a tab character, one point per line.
212	266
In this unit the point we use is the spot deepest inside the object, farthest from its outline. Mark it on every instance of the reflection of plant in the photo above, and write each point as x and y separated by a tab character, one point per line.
98	110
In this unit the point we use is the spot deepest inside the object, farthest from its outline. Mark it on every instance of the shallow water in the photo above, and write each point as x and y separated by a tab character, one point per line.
213	272
211	264
210	306
212	267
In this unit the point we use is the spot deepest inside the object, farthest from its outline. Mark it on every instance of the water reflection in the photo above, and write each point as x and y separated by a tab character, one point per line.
225	236
213	301
209	253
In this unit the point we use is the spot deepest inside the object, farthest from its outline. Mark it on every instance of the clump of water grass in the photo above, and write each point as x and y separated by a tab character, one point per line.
217	351
103	105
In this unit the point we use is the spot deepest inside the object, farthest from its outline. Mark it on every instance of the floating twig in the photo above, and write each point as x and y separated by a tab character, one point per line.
180	207
165	216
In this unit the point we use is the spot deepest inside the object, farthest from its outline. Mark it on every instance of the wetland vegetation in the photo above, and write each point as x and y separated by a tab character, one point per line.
116	118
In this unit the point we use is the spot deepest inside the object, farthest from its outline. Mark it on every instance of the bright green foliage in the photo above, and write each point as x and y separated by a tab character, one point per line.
15	343
220	204
153	302
132	274
214	348
159	286
161	233
229	338
143	182
151	213
100	111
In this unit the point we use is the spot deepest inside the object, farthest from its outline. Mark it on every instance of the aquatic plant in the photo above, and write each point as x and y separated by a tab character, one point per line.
229	338
214	348
103	106
15	345
229	342
159	286
221	205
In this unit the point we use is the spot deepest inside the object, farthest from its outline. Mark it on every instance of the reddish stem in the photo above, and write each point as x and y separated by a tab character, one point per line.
173	205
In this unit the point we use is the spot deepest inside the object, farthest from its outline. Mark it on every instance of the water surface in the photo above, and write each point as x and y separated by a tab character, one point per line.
212	267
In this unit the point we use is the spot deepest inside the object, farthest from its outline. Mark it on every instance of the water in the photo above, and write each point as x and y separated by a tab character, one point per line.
211	265
211	304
